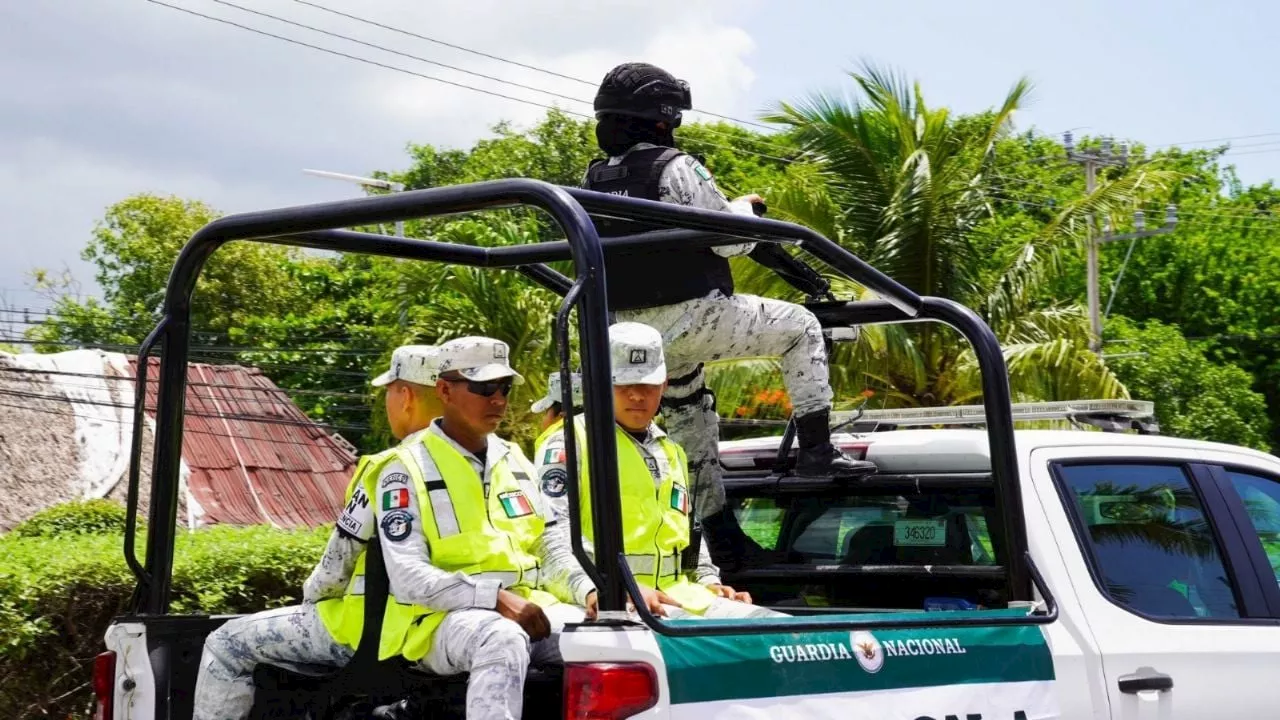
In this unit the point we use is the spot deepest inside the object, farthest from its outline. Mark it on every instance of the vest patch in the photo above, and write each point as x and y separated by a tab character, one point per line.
397	525
395	499
515	504
553	455
680	498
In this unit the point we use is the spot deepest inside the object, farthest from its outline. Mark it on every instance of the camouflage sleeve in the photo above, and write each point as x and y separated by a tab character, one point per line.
707	573
412	577
549	464
685	181
564	576
333	573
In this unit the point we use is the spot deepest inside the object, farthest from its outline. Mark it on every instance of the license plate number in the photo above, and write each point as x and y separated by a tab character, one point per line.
920	533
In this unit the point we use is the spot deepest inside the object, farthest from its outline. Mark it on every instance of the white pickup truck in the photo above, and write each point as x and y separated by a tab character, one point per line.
994	574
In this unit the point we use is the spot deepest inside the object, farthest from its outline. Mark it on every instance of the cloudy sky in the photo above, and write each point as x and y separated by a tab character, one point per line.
100	99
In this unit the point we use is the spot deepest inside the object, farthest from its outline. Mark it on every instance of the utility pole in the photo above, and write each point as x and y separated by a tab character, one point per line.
1092	160
391	186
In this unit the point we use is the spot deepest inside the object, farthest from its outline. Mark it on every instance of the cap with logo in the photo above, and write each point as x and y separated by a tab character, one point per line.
411	363
477	358
555	392
635	350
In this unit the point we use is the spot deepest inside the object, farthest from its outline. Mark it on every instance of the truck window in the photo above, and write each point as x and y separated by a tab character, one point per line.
869	551
1261	498
1148	540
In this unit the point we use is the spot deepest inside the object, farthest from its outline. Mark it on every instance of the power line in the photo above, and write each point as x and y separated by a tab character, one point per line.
424	76
508	61
185	431
218	416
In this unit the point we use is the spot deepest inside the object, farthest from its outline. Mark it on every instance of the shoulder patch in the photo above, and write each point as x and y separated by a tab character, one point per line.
396	478
397	525
701	171
553	482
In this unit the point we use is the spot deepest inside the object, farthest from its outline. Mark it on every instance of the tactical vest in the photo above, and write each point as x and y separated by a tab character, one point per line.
655	522
643	278
486	537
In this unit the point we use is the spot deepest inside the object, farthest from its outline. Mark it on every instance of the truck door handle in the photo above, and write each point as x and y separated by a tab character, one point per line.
1145	678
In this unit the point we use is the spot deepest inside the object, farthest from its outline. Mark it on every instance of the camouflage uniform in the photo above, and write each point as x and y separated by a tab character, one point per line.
472	638
716	327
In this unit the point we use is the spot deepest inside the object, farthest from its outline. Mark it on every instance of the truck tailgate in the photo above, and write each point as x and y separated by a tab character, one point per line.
975	672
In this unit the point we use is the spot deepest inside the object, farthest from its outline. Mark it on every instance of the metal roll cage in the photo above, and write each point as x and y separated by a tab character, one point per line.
313	226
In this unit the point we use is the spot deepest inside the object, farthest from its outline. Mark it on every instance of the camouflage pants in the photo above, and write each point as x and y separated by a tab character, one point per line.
495	650
739	326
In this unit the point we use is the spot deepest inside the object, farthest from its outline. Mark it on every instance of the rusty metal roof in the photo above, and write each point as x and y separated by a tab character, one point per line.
254	456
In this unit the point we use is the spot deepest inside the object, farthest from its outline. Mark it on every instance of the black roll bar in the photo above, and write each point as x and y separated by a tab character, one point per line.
313	226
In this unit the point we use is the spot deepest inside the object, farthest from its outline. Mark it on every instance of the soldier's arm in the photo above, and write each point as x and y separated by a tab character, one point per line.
706	573
412	577
564	576
685	181
354	528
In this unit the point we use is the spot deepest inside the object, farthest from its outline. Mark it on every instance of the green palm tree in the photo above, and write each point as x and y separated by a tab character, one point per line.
904	185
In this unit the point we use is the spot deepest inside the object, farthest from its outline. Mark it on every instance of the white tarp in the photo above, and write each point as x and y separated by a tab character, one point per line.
99	388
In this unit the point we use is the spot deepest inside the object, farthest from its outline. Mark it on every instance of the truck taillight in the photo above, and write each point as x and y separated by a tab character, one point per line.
608	691
104	682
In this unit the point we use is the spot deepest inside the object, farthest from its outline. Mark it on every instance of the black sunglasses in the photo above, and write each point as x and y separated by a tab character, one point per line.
486	388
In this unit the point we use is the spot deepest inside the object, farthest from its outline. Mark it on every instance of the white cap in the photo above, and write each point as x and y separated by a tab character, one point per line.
411	363
555	392
477	358
635	349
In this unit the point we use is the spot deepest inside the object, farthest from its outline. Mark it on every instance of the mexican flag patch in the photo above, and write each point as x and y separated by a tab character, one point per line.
553	455
395	499
680	499
515	504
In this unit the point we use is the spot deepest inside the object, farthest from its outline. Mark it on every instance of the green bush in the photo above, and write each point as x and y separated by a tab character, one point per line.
78	517
58	594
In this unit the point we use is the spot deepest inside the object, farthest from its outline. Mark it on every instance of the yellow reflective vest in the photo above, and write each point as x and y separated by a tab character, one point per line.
655	519
484	537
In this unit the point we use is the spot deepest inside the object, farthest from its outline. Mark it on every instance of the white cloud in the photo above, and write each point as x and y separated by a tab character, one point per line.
105	98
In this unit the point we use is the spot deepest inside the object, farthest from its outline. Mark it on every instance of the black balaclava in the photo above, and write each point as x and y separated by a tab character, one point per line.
616	134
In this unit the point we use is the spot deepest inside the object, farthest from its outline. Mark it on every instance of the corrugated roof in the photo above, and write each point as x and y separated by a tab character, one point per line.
254	456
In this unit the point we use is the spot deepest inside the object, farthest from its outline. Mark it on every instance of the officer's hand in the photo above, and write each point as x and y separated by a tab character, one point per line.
593	605
654	600
526	614
727	592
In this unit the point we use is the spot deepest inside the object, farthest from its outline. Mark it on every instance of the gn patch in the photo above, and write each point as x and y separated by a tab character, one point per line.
397	525
553	482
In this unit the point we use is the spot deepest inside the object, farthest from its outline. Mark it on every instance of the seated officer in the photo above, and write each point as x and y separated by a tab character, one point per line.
655	525
460	524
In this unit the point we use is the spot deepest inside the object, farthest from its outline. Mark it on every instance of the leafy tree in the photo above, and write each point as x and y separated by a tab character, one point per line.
134	248
1194	396
907	186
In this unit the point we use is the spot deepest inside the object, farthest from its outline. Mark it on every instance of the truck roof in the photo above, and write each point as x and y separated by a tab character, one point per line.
968	450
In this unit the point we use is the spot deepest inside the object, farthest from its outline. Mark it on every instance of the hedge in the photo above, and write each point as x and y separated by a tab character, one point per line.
60	591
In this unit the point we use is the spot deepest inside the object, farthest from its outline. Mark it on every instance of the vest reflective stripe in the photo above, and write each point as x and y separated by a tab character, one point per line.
650	565
437	492
655	523
507	579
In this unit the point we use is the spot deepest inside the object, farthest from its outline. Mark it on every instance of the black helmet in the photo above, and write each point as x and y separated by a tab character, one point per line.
645	91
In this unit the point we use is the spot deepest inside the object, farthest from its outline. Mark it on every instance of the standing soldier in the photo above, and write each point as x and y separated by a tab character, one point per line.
688	294
459	520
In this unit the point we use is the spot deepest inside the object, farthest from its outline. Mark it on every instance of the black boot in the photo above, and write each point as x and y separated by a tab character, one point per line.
818	457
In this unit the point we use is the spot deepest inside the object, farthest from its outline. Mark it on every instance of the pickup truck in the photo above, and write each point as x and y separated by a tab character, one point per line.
979	574
1163	554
